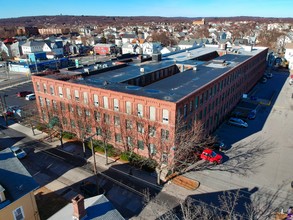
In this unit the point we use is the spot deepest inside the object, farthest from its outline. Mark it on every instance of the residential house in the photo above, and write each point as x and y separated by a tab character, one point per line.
289	55
128	48
32	47
16	50
151	47
17	199
128	37
185	44
97	207
105	49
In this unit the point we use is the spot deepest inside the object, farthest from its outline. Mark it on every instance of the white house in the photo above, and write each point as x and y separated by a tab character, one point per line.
289	55
127	48
151	47
32	47
185	44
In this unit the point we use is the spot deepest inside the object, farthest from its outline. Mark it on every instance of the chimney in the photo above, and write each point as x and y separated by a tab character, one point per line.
79	211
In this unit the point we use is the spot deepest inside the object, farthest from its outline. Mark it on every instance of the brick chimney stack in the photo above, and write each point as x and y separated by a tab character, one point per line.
79	211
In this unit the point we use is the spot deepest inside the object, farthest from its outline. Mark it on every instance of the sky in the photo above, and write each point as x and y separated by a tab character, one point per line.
164	8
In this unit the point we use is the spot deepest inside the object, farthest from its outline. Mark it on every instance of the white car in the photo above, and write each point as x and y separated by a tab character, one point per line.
30	97
237	122
19	153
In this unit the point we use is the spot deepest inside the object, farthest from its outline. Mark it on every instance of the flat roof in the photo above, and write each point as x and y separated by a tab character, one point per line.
17	182
175	87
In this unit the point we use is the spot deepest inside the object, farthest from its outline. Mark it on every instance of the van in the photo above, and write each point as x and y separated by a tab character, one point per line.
30	97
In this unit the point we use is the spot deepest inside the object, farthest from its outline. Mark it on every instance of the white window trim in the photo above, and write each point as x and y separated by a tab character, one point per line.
14	213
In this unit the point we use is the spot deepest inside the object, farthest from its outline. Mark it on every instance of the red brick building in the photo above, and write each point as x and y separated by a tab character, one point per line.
137	104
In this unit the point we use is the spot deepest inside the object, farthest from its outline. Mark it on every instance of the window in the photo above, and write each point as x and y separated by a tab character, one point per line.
117	137
106	103
72	122
64	121
129	141
60	91
128	124
88	129
51	90
128	107
140	144
41	101
106	118
184	110
152	131
190	106
48	103
79	111
116	120
45	88
140	128
164	134
152	113
18	213
116	105
85	98
196	102
76	95
96	100
140	110
165	116
97	116
38	86
70	107
68	93
54	105
87	113
152	149
98	131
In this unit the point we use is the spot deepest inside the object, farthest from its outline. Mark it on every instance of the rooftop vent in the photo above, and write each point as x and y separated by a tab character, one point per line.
142	70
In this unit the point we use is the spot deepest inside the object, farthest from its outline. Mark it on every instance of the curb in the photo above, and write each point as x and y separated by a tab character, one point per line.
16	84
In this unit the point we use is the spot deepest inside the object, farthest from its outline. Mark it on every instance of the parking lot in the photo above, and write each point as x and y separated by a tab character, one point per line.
259	158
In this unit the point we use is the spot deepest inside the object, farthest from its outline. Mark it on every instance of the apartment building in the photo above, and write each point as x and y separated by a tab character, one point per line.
137	103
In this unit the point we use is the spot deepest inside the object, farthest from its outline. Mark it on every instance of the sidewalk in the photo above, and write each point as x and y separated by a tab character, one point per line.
76	150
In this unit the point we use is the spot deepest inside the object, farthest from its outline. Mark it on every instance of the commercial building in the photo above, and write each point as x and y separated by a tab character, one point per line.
134	103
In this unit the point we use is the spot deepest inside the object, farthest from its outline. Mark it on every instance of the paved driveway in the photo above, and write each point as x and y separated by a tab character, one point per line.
260	158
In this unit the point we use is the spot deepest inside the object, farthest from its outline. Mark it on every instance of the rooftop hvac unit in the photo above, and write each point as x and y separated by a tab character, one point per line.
142	70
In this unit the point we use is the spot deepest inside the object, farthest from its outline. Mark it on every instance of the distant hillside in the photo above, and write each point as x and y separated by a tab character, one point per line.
70	20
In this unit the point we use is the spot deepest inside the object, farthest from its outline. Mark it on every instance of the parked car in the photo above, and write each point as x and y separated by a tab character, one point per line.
251	115
31	96
211	156
237	122
8	112
263	79
24	93
19	153
268	75
218	146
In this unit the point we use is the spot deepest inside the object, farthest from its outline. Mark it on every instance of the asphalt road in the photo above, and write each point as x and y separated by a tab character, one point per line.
259	162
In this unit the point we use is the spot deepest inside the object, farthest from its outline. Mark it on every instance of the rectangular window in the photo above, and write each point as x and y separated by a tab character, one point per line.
79	111
128	124
85	98
38	86
152	113
152	131
185	110
128	107
97	116
164	134
152	149
48	102
116	120
117	137
196	102
72	122
64	121
54	105
98	131
51	90
45	88
68	93
106	118
140	128
18	213
96	100
87	113
140	144
60	91
41	101
165	116
139	110
129	141
106	103
116	105
190	106
76	95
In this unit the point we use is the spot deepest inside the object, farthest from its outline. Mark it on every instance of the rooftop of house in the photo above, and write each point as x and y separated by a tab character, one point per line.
97	208
195	73
17	182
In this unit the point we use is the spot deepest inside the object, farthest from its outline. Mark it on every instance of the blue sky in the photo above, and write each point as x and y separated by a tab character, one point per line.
165	8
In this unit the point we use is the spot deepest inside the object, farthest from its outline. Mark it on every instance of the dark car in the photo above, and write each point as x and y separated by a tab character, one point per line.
24	93
251	115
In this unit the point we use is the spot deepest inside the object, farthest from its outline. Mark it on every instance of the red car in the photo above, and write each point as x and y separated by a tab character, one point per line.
211	156
23	93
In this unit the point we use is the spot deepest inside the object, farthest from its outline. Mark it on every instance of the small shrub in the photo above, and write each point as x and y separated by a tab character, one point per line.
67	135
41	127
